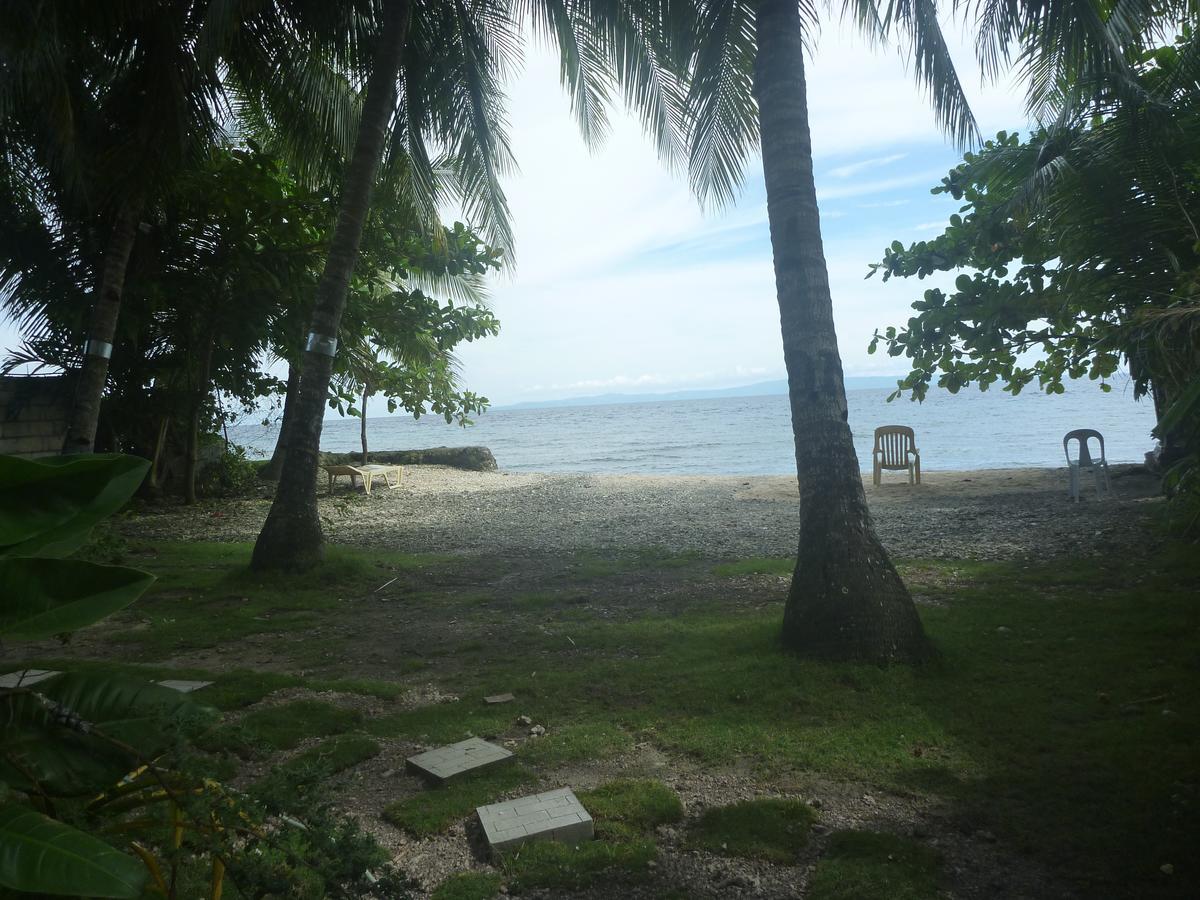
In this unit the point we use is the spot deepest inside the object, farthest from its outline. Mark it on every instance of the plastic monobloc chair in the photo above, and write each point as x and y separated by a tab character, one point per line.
1085	462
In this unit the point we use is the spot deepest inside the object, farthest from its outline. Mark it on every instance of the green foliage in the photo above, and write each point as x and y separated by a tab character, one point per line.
43	856
574	742
866	865
469	886
638	805
232	475
55	596
313	766
549	865
434	810
282	727
49	506
1073	241
772	829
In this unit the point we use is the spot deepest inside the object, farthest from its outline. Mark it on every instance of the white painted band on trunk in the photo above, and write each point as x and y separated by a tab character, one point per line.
319	343
102	349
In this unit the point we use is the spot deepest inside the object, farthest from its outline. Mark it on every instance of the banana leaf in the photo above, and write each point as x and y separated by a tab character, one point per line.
48	506
43	597
40	855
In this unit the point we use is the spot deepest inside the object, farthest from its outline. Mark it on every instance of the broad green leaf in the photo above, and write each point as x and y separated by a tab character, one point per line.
43	743
44	597
48	506
40	855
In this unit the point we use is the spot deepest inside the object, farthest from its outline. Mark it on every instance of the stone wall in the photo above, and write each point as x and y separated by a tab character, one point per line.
478	459
33	415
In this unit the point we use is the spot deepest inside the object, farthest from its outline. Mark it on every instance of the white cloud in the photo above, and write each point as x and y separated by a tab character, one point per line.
854	168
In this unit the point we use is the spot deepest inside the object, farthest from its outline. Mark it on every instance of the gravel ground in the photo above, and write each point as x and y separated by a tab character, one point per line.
997	513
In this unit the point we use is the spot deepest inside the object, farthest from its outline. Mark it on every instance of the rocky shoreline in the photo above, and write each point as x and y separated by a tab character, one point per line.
987	514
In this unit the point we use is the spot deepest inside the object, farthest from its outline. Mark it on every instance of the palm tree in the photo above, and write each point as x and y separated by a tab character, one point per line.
748	87
449	59
99	105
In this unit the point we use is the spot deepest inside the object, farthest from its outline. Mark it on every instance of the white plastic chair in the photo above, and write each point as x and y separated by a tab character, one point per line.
896	450
1085	462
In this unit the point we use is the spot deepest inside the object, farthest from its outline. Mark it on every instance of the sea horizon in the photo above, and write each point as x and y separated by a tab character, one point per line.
751	435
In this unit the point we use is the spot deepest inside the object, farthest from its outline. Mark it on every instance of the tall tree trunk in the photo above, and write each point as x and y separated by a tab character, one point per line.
846	599
199	392
102	328
362	428
291	538
271	470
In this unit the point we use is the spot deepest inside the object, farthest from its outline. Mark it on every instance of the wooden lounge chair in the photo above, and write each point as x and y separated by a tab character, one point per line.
368	473
896	449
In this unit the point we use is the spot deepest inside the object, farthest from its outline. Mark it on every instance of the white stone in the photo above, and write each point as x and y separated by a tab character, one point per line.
25	677
552	816
444	763
184	687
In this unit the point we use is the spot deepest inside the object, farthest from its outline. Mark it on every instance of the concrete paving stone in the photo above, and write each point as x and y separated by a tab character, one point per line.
554	815
25	677
444	763
499	698
184	687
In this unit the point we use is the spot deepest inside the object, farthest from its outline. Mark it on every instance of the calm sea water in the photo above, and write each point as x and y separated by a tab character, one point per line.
753	435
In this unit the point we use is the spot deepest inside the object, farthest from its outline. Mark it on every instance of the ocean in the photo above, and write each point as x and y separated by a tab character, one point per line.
753	435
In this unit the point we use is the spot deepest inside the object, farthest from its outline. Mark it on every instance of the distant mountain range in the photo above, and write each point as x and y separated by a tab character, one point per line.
759	389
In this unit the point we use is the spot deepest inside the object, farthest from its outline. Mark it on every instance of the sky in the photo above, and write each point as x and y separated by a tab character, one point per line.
623	284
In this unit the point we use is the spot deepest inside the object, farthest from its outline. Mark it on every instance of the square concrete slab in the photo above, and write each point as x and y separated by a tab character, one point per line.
444	763
499	698
552	816
25	677
184	687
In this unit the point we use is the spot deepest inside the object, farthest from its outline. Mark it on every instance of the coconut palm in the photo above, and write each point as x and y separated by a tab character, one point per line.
747	89
435	75
99	105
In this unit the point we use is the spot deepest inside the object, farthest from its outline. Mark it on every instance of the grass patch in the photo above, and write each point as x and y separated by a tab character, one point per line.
553	866
469	886
434	810
638	806
1063	714
759	565
207	596
866	865
571	743
771	829
282	727
324	760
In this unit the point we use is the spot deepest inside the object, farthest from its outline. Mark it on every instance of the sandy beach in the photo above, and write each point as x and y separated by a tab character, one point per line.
987	514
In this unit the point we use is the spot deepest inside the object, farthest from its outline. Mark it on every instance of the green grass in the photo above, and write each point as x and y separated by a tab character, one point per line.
762	565
206	596
552	866
325	760
434	810
635	806
865	865
770	829
282	727
469	886
572	743
1050	734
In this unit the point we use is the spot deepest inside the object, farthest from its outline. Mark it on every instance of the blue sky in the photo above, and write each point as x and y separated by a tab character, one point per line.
624	284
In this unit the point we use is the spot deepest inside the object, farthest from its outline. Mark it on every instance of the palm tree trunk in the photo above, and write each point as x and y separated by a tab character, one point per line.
270	472
846	599
291	538
362	433
102	328
199	393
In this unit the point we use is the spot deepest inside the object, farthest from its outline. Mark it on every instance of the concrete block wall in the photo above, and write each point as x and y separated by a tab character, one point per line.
33	415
